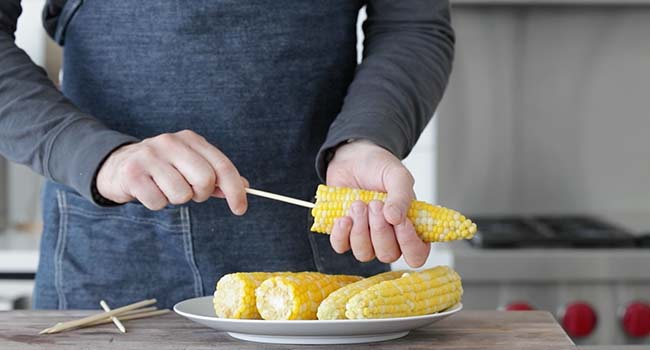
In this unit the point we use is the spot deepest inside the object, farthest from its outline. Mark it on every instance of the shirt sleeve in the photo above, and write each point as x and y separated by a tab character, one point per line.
407	59
39	127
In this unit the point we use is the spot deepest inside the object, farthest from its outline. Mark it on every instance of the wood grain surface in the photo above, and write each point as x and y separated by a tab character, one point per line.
524	330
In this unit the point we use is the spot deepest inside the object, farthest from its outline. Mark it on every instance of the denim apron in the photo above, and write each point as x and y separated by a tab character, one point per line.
261	80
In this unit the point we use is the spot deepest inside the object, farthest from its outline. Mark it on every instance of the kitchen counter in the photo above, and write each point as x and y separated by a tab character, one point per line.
466	330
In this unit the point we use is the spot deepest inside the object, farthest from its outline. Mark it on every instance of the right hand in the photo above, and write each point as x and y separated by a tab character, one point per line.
171	169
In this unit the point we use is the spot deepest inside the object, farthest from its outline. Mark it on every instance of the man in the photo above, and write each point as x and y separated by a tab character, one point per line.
169	103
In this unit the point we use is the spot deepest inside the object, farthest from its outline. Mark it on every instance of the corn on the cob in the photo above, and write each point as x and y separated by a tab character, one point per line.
333	307
432	223
235	294
297	296
415	293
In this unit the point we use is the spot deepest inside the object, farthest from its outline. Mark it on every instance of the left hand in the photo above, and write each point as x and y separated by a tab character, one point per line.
378	229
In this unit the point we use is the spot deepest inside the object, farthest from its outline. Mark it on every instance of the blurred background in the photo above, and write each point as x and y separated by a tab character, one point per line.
541	138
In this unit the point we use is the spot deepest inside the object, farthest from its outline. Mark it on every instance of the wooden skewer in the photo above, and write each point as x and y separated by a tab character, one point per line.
123	316
144	309
115	320
129	315
82	321
280	198
46	330
133	316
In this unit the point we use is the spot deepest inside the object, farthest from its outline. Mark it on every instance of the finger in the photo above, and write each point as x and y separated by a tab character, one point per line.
196	170
359	233
172	184
399	185
340	236
415	250
228	178
382	234
219	193
145	190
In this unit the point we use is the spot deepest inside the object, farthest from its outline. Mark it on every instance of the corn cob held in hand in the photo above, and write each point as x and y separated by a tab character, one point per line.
432	223
235	294
296	296
333	307
415	293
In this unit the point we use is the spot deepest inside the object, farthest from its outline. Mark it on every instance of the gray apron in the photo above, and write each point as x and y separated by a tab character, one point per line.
261	80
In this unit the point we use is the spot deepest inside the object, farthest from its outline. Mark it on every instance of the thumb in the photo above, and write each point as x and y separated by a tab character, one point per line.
398	182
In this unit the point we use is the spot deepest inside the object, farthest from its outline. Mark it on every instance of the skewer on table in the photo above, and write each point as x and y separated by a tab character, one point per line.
115	320
144	309
82	321
127	316
134	316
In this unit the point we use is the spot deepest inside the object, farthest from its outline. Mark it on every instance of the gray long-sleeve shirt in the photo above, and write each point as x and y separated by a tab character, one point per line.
407	60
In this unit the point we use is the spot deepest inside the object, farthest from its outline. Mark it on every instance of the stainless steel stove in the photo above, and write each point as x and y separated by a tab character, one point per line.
592	274
552	232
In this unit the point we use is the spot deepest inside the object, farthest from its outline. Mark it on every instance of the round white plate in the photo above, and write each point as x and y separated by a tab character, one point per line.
307	332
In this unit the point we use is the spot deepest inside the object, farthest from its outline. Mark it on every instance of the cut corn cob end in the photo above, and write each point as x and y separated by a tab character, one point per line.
333	307
297	296
415	293
432	223
234	296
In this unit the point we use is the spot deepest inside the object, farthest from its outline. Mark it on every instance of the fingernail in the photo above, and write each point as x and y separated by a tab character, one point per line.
240	210
358	208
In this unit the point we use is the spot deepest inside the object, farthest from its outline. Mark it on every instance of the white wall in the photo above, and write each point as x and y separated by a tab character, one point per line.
547	111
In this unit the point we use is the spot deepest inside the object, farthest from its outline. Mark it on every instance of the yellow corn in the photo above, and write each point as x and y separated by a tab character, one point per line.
415	293
235	294
296	296
333	307
432	223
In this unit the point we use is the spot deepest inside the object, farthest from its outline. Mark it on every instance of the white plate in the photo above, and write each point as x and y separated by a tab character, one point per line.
307	332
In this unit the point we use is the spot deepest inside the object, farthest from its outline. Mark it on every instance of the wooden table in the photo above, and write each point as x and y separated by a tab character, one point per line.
467	330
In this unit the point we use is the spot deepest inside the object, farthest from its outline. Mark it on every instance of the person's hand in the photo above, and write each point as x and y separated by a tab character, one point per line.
171	168
378	229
